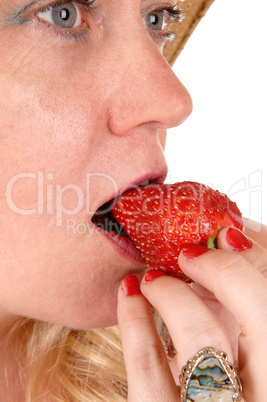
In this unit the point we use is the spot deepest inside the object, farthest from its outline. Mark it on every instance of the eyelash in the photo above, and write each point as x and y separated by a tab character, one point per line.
87	5
171	14
77	34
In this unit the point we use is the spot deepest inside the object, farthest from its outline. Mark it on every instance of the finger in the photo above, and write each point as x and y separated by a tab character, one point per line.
256	231
232	239
223	315
148	372
191	324
242	289
236	284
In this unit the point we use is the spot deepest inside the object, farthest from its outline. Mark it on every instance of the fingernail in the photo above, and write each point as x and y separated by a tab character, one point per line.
131	285
153	274
237	240
194	251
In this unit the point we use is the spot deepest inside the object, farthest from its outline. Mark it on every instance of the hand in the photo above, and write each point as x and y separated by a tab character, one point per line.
237	279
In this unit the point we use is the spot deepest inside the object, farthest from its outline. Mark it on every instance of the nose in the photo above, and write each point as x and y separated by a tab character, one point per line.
147	92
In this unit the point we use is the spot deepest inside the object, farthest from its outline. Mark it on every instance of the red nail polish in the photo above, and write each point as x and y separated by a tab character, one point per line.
131	285
237	240
194	251
153	274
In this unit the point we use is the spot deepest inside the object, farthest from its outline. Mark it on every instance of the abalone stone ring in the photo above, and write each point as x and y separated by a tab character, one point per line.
208	376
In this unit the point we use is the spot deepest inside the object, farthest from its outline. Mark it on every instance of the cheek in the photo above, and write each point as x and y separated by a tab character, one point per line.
48	132
50	110
51	126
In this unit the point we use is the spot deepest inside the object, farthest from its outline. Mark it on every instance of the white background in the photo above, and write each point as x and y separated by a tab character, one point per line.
223	143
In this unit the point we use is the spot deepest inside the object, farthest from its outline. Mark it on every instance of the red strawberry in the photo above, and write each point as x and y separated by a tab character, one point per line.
162	219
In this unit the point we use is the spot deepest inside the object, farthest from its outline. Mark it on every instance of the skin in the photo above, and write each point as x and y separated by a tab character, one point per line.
99	106
104	116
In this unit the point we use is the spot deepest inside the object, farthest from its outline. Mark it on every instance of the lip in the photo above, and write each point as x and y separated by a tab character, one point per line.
154	177
125	246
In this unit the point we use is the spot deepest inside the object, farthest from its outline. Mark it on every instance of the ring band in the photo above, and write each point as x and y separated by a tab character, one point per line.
208	376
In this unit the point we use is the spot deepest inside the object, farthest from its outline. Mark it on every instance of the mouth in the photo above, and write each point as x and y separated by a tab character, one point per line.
107	225
104	219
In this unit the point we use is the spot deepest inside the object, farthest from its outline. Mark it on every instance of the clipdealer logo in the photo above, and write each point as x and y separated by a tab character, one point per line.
49	196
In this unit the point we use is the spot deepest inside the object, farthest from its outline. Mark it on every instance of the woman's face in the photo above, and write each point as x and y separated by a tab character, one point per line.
86	96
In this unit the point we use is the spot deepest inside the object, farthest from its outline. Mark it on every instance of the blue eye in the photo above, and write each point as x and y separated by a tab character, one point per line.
65	15
155	20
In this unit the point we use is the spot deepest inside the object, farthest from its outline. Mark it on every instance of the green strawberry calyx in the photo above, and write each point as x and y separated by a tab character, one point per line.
212	240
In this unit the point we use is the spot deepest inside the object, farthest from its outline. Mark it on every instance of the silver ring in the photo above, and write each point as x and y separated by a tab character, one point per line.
208	376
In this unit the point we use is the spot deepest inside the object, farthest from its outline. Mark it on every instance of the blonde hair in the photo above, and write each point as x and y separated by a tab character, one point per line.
69	365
